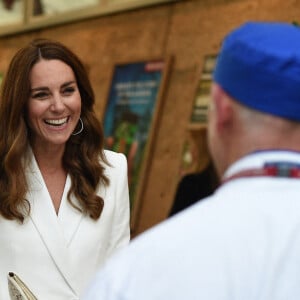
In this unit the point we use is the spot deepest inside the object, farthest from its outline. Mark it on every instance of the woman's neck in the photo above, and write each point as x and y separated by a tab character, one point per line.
49	159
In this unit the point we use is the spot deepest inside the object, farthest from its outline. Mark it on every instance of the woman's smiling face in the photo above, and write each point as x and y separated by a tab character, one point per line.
54	105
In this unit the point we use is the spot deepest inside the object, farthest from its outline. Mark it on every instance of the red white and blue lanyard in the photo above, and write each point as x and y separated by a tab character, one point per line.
270	169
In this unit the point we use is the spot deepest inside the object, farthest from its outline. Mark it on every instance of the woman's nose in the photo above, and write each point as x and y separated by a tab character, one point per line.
57	103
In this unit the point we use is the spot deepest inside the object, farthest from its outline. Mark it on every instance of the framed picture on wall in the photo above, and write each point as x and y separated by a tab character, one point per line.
201	101
11	12
131	118
1	78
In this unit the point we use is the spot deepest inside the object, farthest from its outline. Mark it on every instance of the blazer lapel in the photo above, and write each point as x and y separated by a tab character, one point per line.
46	222
68	216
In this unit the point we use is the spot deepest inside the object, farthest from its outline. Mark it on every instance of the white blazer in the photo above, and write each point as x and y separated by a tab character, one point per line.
57	255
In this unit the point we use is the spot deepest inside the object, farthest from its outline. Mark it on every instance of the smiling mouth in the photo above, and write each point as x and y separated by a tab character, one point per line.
57	122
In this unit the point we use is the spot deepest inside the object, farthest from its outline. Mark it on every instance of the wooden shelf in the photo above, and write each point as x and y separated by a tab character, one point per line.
197	126
27	22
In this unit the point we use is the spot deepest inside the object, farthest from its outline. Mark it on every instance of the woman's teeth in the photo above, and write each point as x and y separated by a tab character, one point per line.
57	122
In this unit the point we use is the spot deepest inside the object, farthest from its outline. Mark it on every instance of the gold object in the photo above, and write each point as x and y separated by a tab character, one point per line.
18	289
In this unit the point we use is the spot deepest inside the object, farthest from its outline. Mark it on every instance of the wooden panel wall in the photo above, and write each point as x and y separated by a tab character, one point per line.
186	30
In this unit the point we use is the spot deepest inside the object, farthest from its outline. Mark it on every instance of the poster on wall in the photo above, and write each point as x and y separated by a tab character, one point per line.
131	115
201	101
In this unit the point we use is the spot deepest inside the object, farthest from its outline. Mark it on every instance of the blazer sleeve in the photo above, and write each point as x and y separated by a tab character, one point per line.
121	218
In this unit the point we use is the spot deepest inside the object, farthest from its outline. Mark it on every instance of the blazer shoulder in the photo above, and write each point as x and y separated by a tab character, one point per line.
115	159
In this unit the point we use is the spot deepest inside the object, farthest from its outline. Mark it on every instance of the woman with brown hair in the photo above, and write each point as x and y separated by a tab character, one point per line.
64	204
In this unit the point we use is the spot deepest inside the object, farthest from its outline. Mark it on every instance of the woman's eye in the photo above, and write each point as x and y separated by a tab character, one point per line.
40	95
68	90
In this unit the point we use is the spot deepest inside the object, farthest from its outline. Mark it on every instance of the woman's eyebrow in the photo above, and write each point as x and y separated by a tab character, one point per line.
44	88
41	88
68	83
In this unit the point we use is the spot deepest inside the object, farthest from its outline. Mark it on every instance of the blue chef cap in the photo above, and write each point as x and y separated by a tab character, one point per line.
259	66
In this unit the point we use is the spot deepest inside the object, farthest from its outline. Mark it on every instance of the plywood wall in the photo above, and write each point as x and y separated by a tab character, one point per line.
187	31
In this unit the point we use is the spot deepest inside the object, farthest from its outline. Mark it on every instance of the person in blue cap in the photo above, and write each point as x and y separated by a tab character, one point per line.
243	242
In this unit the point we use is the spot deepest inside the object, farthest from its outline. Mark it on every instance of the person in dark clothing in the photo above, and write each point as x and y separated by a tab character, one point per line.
194	187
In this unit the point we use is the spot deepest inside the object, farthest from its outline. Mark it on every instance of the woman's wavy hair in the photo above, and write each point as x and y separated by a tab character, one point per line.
83	158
